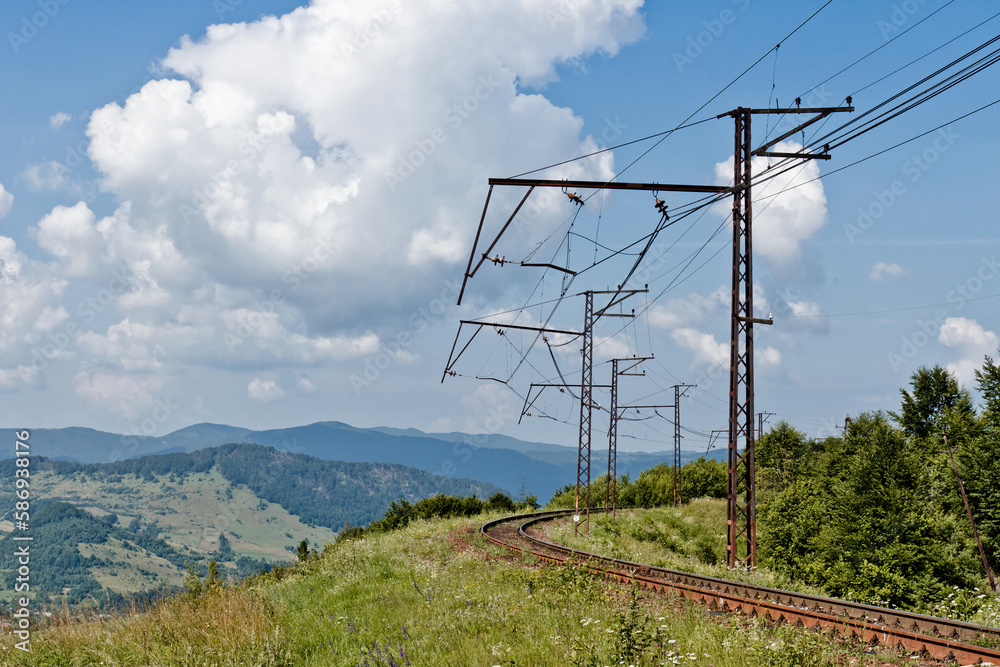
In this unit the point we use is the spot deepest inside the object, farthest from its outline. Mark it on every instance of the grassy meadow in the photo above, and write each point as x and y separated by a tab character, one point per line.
690	539
433	593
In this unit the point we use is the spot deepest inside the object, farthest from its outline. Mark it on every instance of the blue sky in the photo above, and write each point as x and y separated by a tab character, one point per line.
263	223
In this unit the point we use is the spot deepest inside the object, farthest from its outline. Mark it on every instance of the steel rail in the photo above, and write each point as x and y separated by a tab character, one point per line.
939	638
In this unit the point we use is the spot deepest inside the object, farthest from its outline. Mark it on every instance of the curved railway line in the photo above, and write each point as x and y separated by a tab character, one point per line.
928	636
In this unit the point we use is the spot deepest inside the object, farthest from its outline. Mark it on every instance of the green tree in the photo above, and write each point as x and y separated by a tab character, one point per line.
225	549
878	532
988	384
500	502
703	478
789	523
530	502
213	580
938	407
192	581
778	456
936	396
979	460
857	520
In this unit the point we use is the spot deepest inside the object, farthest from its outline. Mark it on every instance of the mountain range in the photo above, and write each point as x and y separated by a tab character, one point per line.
514	465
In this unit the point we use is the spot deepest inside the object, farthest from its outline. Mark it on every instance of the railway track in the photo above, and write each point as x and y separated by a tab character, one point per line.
927	636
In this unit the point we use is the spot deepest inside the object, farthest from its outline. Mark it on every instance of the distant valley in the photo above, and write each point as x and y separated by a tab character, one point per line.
132	525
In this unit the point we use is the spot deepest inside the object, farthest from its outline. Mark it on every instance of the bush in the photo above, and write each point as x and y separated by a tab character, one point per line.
500	502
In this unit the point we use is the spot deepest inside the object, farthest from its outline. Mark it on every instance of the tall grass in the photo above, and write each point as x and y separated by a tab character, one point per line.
691	538
226	626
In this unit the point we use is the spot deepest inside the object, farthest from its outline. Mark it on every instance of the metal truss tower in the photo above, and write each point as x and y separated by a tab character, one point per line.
611	500
677	441
586	412
611	492
741	513
587	389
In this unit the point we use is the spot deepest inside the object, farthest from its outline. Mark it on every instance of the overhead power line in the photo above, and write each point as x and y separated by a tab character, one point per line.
879	48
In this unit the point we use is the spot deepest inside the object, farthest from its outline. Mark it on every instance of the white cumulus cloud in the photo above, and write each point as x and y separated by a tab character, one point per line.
6	201
68	232
795	314
32	324
883	270
788	209
972	342
45	176
264	391
123	395
59	119
690	310
682	317
291	187
708	352
303	177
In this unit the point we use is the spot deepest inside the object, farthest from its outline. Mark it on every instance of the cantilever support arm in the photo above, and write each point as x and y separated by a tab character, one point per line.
453	358
550	266
611	185
475	243
541	387
619	296
636	360
532	183
469	272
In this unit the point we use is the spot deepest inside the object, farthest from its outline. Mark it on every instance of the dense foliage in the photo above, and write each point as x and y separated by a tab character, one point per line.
702	478
876	514
58	567
330	493
401	513
55	561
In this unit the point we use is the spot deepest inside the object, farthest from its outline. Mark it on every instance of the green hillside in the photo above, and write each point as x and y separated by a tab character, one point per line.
131	526
78	555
